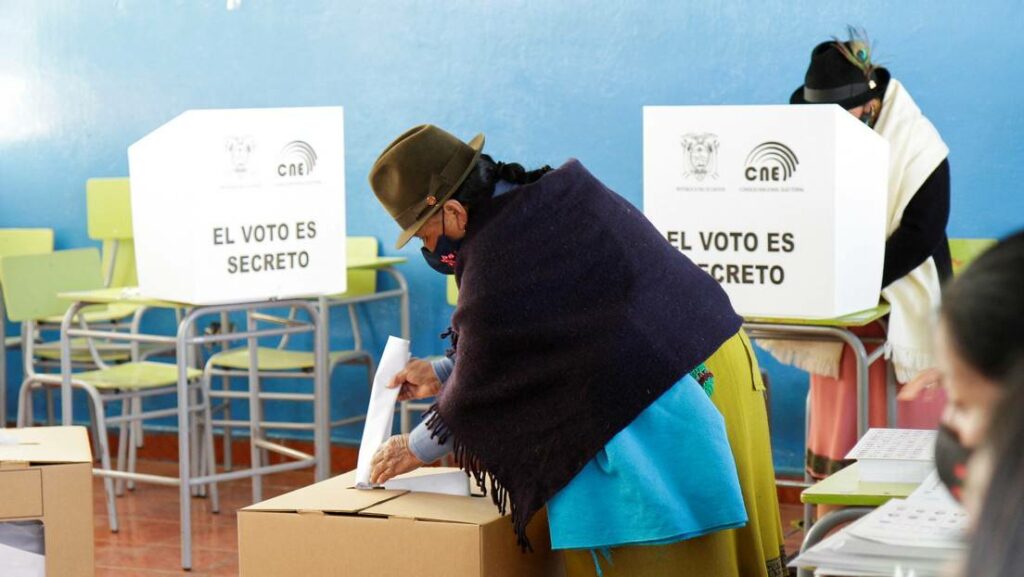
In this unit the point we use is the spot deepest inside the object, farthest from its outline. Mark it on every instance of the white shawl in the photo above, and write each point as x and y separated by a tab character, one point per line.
915	150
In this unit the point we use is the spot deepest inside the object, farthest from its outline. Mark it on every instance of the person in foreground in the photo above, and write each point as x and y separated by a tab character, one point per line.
980	356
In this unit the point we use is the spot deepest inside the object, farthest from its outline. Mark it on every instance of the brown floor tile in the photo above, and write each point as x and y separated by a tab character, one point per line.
160	557
148	542
792	529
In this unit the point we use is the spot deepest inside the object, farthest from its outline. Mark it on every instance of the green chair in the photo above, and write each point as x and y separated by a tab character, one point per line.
109	219
31	285
16	241
407	407
965	250
284	363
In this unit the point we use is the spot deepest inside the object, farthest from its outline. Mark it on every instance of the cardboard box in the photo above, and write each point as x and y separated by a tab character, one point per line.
330	528
784	205
240	205
47	476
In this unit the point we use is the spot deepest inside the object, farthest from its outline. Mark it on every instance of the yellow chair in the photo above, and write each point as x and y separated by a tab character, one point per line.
30	286
965	250
16	241
282	362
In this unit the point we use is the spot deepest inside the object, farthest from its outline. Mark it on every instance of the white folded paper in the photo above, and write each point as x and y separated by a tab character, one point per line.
381	412
444	482
17	563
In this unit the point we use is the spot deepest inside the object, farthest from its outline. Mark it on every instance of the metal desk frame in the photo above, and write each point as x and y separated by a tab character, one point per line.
318	312
184	341
844	489
831	330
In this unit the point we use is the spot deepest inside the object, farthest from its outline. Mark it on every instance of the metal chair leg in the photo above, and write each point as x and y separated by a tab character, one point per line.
134	443
92	430
808	508
101	425
228	441
194	435
122	444
25	405
211	457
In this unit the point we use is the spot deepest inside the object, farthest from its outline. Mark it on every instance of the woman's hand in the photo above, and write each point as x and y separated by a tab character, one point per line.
417	379
392	459
928	382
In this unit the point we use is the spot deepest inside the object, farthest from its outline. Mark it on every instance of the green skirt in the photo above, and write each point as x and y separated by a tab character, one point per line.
755	550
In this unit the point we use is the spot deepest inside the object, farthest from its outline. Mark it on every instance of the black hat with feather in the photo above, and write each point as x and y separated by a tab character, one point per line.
842	73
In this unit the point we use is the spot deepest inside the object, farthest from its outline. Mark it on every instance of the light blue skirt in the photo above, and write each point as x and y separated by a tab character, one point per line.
667	477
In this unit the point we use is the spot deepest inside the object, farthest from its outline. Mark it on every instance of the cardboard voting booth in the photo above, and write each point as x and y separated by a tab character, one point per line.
784	205
46	494
332	528
240	205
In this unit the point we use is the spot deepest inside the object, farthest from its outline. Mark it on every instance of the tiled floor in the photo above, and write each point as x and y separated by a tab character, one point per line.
148	543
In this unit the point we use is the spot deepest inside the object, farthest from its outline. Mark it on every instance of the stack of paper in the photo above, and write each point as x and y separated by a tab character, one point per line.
921	534
895	455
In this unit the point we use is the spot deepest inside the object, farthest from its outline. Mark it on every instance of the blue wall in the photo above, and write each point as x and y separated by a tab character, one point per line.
81	80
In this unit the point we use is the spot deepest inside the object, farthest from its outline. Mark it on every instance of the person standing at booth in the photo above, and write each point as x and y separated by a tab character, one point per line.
595	370
917	257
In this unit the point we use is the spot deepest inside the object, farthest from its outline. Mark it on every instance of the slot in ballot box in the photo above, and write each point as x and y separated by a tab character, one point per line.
332	528
784	205
240	205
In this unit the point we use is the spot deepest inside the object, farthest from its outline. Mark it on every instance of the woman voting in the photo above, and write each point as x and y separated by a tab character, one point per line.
594	369
917	257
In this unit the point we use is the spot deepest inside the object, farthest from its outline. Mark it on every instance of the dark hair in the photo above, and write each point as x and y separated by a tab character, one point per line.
984	310
997	546
480	183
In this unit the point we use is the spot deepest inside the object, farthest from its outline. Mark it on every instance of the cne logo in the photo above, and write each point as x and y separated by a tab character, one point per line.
770	162
297	158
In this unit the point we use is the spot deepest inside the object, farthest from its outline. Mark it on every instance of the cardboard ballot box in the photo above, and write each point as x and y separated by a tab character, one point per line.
240	205
46	475
783	205
331	528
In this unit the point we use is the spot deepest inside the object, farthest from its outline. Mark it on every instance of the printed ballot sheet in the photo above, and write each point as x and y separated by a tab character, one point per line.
921	524
895	445
381	412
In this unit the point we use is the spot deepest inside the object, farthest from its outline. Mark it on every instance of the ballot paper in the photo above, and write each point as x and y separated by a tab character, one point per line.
445	482
15	562
381	412
914	524
934	492
922	534
895	455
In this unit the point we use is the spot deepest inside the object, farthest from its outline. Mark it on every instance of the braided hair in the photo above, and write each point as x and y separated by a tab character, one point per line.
481	182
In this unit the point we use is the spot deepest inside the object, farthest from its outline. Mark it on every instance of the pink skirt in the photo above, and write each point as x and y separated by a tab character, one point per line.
833	430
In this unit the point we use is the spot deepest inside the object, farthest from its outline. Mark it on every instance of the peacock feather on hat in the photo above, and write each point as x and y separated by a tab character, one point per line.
858	51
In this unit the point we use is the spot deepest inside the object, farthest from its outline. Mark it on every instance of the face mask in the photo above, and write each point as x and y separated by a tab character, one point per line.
951	461
867	117
442	258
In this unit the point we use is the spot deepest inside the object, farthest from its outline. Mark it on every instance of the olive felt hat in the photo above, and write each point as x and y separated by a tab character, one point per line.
418	172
